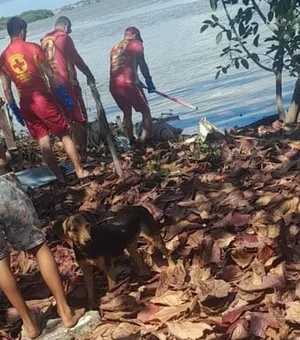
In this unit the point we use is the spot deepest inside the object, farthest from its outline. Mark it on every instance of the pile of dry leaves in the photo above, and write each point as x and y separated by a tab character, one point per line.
230	213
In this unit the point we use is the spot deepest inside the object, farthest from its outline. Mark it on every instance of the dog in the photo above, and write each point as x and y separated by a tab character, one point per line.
99	245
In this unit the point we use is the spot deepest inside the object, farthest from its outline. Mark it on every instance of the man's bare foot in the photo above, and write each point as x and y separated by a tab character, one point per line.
81	174
71	318
89	174
32	329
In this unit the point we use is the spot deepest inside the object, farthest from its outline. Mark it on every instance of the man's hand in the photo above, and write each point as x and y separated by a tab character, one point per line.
65	97
150	85
16	111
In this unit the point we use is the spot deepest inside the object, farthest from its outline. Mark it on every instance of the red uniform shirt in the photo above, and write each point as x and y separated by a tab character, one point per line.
124	63
21	62
63	57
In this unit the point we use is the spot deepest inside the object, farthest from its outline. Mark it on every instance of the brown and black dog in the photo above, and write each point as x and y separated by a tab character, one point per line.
100	244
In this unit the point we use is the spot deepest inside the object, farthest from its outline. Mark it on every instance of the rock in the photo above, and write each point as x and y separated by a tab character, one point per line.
55	330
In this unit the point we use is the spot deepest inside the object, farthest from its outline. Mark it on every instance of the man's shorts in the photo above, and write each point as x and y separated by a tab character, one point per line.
78	113
42	115
19	223
128	96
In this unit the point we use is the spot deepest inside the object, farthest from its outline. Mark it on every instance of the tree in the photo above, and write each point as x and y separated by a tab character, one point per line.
242	31
29	16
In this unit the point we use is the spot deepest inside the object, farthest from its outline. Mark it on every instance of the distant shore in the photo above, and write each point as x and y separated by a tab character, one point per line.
78	4
29	16
40	14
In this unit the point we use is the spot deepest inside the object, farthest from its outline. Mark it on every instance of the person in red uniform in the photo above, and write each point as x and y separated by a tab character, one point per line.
24	64
125	58
63	58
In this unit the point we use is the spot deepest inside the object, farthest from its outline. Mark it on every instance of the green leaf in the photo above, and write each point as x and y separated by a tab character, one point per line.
214	17
255	56
237	63
203	28
242	29
255	41
219	37
224	70
213	4
246	2
270	15
245	63
229	34
217	74
255	27
209	22
248	15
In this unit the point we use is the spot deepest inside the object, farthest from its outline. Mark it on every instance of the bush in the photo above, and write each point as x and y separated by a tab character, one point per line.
29	16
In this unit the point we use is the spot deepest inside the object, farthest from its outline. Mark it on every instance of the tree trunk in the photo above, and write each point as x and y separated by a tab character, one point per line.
292	115
279	102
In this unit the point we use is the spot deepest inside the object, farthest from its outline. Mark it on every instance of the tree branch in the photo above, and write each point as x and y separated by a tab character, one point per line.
249	54
261	14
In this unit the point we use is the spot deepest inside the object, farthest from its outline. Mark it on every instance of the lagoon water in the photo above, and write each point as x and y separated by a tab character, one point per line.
182	61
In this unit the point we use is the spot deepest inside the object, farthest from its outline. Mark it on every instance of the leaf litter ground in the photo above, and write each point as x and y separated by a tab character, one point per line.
230	212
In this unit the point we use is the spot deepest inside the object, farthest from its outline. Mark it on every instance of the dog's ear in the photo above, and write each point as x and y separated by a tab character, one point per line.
65	229
57	227
90	217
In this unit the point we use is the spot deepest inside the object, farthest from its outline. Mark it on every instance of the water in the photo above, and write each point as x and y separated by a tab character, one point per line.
182	62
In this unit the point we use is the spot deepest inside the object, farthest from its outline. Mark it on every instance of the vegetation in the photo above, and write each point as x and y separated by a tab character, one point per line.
29	16
244	43
78	4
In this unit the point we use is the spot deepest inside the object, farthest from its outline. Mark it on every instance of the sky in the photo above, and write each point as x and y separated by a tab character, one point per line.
13	7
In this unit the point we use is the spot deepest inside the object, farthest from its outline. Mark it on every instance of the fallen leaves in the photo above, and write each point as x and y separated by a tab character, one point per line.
232	223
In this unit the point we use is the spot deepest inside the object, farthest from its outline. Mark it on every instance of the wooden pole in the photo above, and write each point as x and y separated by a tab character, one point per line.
7	131
104	127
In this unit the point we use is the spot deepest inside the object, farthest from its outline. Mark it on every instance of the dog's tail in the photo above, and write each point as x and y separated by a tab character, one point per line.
150	231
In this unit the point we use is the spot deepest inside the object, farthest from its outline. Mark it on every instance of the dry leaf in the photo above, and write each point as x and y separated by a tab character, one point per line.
223	238
241	257
172	298
163	314
126	331
293	312
185	330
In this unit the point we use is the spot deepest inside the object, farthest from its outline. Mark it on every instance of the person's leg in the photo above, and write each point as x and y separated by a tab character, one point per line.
49	157
147	124
71	150
80	135
10	288
51	276
140	104
128	125
21	229
122	96
79	118
9	198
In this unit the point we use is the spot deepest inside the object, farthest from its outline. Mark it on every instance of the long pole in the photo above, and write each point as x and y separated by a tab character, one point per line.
177	100
104	127
173	99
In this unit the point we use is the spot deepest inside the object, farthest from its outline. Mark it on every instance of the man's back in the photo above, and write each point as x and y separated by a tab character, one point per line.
124	63
58	48
21	62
